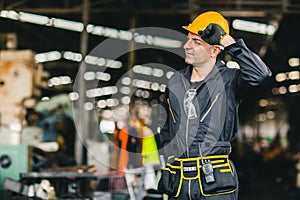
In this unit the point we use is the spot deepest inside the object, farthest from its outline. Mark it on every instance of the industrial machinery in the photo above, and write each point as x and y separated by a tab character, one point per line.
20	78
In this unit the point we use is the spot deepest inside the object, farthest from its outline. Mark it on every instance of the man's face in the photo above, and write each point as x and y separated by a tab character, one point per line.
197	51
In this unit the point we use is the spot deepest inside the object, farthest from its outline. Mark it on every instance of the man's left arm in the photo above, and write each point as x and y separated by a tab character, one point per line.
254	71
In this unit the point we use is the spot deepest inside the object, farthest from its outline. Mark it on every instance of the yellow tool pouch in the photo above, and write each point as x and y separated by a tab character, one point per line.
181	169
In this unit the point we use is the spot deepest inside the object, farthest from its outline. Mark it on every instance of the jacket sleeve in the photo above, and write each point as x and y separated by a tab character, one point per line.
163	135
253	71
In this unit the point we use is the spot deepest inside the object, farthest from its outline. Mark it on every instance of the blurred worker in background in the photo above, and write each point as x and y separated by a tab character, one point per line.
200	115
138	156
138	145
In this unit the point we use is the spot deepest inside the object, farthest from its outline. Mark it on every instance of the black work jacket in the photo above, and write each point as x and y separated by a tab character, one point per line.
216	102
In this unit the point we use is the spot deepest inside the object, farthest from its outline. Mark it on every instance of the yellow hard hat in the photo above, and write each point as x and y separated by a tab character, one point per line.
206	18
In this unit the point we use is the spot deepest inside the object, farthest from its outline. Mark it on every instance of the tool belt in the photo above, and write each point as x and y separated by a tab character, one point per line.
215	179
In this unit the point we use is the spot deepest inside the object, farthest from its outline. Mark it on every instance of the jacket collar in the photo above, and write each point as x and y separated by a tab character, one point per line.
186	72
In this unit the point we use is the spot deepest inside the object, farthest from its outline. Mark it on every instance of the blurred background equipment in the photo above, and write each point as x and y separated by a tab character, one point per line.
14	160
20	79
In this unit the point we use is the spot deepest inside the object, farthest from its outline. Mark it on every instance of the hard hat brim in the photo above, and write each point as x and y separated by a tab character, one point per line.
190	30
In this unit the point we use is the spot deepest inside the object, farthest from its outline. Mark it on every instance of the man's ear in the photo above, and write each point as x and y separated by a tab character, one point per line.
215	51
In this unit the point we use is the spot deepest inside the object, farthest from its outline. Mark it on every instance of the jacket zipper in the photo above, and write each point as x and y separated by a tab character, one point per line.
210	107
187	124
190	198
171	111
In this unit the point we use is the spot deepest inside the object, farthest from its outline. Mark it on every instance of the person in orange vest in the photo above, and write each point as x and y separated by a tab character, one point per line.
138	145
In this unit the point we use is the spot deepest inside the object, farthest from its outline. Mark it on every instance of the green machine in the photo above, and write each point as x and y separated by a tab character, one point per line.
14	159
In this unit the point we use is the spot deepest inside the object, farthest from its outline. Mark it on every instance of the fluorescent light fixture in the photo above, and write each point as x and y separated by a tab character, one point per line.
88	106
139	38
92	29
157	41
280	77
145	70
125	100
162	87
61	80
294	62
103	76
97	92
263	103
9	14
125	90
112	102
155	86
93	60
294	75
89	76
142	69
47	56
293	88
113	64
68	25
33	18
101	103
68	55
253	27
73	96
126	80
282	90
141	83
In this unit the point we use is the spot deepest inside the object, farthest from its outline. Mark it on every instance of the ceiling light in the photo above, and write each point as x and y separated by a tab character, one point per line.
253	27
126	100
103	76
68	25
294	62
88	106
282	90
47	56
126	80
293	88
125	90
280	77
101	103
263	102
10	14
73	96
294	75
92	29
33	18
89	76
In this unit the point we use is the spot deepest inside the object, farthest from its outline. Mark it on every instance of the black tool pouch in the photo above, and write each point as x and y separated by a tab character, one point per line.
224	183
169	181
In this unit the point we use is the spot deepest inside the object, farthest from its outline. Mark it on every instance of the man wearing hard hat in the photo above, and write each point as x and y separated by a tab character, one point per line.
200	115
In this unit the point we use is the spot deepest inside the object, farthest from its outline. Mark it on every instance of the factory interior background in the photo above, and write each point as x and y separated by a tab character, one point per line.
70	71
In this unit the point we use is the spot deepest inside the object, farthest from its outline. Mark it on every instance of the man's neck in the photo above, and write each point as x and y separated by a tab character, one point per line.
200	72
